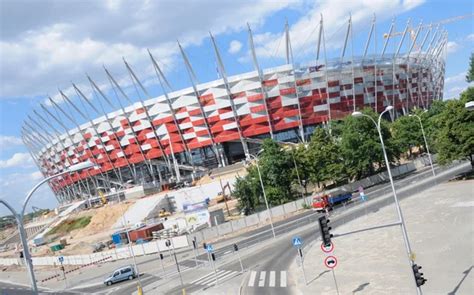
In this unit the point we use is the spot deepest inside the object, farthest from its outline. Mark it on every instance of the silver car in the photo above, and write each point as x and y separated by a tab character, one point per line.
121	274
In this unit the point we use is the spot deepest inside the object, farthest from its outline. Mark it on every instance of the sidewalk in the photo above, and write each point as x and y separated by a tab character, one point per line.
440	227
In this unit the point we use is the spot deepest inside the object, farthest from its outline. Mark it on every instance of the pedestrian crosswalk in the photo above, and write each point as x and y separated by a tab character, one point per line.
210	278
173	272
267	279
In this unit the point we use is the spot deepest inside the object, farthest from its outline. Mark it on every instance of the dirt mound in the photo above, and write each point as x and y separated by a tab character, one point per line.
103	218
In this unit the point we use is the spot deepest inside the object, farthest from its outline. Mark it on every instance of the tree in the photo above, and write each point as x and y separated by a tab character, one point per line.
406	132
470	72
247	189
325	159
303	164
276	166
454	130
360	144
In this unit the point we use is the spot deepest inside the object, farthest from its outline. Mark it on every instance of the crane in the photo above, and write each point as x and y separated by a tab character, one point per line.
412	32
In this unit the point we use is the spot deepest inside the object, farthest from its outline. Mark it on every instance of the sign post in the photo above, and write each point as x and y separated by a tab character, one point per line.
298	243
61	260
194	250
176	260
210	253
161	256
236	249
331	262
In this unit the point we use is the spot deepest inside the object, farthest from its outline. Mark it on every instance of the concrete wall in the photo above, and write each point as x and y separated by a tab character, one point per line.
114	254
290	207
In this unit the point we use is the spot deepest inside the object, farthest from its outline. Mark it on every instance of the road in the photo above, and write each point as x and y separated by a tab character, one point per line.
269	267
266	270
258	282
14	289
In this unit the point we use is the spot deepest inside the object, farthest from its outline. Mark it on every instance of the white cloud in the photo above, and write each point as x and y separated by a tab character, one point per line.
36	175
9	141
452	47
62	41
455	84
304	35
17	160
235	46
470	37
460	77
15	186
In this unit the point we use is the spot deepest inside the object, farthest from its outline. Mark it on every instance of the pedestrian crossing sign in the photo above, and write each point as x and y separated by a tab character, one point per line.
297	242
209	248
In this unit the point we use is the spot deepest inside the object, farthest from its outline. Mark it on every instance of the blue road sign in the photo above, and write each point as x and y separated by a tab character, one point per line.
61	259
209	248
297	242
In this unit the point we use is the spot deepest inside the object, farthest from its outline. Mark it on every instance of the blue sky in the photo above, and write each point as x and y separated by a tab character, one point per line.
44	46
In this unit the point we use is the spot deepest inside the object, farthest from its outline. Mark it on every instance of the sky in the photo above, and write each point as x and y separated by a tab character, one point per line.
44	45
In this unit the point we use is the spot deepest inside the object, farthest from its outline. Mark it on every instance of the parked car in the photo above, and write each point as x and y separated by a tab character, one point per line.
121	274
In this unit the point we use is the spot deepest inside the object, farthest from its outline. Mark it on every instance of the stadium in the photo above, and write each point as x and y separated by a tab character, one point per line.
172	139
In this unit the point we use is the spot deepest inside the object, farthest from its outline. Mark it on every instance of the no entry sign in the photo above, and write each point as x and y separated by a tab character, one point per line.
330	262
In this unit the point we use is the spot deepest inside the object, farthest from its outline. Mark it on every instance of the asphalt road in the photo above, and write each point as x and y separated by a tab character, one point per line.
277	259
13	289
285	253
282	253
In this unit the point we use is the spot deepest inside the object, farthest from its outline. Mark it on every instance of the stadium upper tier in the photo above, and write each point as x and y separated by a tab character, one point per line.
171	137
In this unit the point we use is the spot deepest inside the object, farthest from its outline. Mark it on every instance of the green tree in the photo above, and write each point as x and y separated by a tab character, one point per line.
406	132
360	144
247	189
276	168
454	130
303	164
470	72
325	159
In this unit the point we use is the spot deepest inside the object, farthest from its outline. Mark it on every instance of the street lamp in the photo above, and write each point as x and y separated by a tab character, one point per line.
19	218
399	210
426	143
264	194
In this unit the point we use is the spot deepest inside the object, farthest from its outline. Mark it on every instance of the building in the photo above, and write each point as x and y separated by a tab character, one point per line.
178	135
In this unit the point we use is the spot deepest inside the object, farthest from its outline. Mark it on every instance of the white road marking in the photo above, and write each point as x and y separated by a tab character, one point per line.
212	279
202	278
464	204
271	283
253	275
283	278
261	283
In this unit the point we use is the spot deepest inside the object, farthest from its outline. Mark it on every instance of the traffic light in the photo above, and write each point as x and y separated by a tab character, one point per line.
161	256
204	245
194	244
420	280
236	248
325	228
213	257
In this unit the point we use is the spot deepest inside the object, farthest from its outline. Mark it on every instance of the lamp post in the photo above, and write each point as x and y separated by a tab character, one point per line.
264	194
387	163
426	143
19	218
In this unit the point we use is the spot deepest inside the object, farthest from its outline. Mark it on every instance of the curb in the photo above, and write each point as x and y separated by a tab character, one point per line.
77	268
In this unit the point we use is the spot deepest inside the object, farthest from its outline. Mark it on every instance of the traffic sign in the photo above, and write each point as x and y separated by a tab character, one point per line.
330	262
327	248
297	242
209	248
61	259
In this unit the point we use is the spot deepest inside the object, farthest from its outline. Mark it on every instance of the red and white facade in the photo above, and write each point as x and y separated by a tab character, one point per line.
149	141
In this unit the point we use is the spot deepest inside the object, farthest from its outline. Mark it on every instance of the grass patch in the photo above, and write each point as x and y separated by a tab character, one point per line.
69	225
